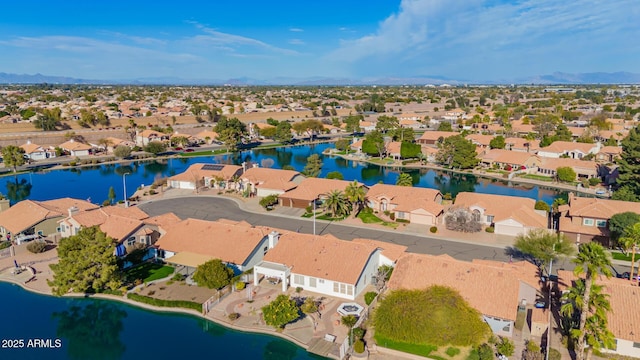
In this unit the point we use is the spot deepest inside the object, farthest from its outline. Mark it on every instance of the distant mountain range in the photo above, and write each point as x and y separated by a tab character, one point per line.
556	78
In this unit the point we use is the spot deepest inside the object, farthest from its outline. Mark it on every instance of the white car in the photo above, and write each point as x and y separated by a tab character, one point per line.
502	357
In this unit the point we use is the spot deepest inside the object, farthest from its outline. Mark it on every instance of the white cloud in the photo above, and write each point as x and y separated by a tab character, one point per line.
296	42
296	29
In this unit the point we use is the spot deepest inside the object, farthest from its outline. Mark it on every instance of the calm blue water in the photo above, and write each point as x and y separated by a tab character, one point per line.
94	182
104	330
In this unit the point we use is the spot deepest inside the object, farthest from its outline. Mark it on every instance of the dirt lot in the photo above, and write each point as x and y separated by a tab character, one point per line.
177	291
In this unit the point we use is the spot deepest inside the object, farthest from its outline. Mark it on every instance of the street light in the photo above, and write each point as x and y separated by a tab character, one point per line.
124	187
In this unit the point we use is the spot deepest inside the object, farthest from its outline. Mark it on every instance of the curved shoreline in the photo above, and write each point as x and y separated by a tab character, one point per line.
159	309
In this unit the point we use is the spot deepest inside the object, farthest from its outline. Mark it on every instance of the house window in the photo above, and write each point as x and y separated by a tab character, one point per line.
264	251
298	279
635	345
131	241
400	215
490	219
476	215
349	289
312	282
587	222
601	223
507	328
321	281
336	287
57	229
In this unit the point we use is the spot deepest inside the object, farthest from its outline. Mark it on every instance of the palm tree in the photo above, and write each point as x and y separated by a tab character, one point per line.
404	180
591	260
574	297
336	203
597	334
630	242
355	194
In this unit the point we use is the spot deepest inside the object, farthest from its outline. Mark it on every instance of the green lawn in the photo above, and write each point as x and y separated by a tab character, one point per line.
417	349
536	177
329	218
620	256
203	153
149	272
368	217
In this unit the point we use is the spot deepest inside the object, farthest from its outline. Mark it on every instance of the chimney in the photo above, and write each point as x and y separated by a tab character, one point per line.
273	239
255	165
244	166
73	210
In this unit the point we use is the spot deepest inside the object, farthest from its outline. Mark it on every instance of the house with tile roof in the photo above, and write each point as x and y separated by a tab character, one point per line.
609	154
573	150
207	136
240	245
584	169
311	189
586	219
510	215
494	289
217	176
265	181
31	217
322	264
623	318
76	148
37	152
480	140
522	144
393	149
511	160
414	204
114	142
432	138
144	137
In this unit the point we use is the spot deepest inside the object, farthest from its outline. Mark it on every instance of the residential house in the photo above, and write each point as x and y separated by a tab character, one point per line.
217	176
367	126
256	128
623	318
510	215
392	149
454	115
583	169
573	150
520	128
410	116
322	264
587	219
433	138
193	242
480	140
429	153
356	145
144	137
414	204
411	124
37	152
310	190
115	142
207	136
38	218
494	289
609	154
264	181
511	160
522	144
76	148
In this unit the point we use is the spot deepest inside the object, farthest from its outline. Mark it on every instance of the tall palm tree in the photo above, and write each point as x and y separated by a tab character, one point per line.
597	334
574	297
591	260
630	242
355	194
336	203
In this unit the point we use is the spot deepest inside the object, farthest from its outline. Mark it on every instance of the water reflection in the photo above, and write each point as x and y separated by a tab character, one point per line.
18	190
279	350
92	331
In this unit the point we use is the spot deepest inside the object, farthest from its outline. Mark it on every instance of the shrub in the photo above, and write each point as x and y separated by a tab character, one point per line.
152	192
240	285
358	332
299	289
177	277
461	219
368	297
281	311
165	303
213	274
490	229
505	347
554	354
269	200
36	247
452	351
349	321
392	216
593	182
447	196
433	229
404	221
541	205
234	316
358	346
485	352
309	306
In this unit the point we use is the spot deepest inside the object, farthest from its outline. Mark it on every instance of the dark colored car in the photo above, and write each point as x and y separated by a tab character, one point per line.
177	149
189	150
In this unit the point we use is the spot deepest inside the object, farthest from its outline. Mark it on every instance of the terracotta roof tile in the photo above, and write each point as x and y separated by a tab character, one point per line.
407	198
504	207
311	188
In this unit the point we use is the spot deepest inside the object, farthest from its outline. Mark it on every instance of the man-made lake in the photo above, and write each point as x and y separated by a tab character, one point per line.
94	182
104	330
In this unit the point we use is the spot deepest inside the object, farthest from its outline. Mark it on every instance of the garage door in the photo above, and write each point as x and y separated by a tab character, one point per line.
421	219
182	185
512	230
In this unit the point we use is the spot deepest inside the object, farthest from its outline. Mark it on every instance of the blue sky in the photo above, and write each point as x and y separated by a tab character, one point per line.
472	40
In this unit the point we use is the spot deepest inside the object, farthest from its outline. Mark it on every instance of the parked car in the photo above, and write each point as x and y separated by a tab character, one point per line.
624	275
189	150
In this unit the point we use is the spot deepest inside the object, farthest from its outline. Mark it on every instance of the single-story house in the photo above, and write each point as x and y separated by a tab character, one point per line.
216	176
511	160
510	215
414	204
75	148
586	219
392	149
573	150
522	144
31	217
207	136
322	264
37	152
609	154
265	181
480	140
311	189
193	242
584	169
114	142
356	145
498	306
434	137
144	137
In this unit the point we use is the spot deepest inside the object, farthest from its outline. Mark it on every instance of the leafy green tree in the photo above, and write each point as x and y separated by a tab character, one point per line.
309	306
386	123
281	311
497	142
283	132
485	352
336	204
445	126
18	190
269	200
310	127
373	144
544	245
625	193
13	156
620	223
352	123
343	144
404	180
355	194
122	151
49	119
313	167
409	150
230	132
591	260
611	141
566	174
268	132
403	134
505	347
112	195
629	164
542	205
272	122
630	242
213	274
457	152
335	175
86	262
155	147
